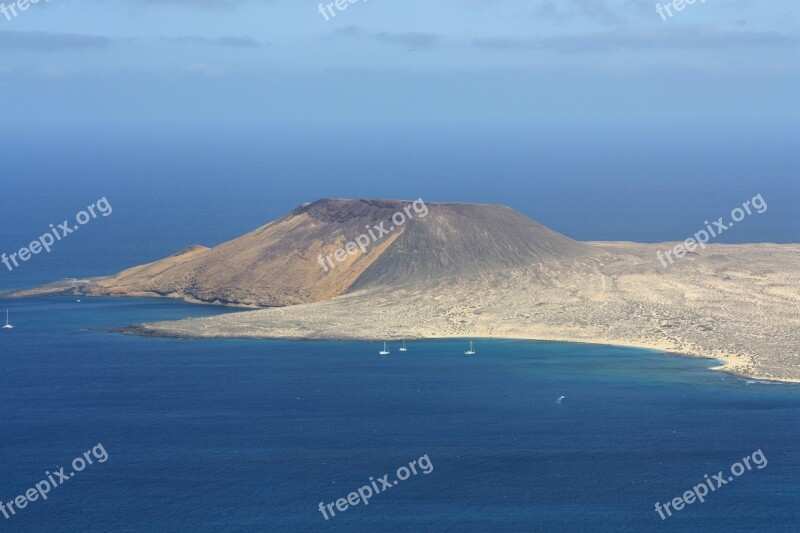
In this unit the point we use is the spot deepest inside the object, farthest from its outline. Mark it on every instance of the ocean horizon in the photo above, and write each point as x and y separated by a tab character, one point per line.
208	190
448	175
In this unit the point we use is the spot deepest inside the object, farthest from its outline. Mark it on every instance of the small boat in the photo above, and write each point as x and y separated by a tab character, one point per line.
403	347
385	350
8	324
471	350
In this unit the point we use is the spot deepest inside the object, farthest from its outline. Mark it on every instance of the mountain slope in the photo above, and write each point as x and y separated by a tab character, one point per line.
464	239
283	263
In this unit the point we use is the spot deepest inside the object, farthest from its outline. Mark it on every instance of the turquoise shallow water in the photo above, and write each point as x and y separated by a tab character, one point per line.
251	435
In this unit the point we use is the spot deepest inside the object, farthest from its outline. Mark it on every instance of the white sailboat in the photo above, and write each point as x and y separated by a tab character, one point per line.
385	350
471	350
8	324
403	347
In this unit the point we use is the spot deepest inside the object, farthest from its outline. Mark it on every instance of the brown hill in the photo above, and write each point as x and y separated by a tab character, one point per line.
281	263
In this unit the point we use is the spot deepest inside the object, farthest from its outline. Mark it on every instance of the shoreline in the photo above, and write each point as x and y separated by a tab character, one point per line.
727	364
722	304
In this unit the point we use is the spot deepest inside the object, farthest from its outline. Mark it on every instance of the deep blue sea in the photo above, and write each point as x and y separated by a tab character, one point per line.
252	435
247	435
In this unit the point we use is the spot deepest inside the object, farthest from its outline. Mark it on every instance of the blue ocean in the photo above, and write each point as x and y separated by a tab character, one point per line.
248	435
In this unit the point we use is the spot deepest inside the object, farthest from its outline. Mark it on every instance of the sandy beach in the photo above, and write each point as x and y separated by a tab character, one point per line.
721	303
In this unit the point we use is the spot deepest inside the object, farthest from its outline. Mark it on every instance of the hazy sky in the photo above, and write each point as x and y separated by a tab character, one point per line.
601	62
203	119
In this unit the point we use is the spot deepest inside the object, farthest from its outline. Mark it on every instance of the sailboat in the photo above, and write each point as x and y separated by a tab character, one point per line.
471	350
8	324
403	347
385	350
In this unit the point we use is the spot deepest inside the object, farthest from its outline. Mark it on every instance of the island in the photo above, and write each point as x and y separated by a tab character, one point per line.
355	269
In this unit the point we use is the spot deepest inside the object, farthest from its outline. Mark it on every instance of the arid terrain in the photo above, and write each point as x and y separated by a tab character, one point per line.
465	270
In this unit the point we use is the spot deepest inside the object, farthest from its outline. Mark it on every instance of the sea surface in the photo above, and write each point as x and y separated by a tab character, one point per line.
248	435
